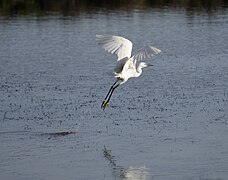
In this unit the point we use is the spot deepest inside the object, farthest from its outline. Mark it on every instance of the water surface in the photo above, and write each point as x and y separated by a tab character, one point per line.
170	123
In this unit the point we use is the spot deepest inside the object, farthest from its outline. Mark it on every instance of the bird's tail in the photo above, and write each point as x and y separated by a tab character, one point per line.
115	74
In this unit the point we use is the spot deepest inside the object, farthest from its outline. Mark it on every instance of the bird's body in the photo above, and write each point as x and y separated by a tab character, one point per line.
127	69
126	66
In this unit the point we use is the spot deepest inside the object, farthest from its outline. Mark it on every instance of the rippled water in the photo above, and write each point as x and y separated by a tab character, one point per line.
170	123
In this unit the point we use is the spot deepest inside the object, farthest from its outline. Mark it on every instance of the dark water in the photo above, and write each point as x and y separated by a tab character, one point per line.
9	8
170	123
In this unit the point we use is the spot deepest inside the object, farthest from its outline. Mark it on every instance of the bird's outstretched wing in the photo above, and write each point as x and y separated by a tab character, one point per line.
146	52
118	45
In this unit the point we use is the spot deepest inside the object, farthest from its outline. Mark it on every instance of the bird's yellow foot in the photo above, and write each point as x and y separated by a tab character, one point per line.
104	104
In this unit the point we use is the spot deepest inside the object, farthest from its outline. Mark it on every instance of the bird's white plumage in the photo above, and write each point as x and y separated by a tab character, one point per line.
118	45
146	52
122	47
126	65
120	65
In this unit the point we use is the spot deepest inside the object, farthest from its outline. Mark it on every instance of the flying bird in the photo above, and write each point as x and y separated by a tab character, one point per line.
126	66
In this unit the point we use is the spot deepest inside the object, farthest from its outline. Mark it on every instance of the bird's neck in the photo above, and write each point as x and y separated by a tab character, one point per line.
139	70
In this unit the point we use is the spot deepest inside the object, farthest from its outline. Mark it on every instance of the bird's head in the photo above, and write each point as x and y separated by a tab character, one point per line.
143	65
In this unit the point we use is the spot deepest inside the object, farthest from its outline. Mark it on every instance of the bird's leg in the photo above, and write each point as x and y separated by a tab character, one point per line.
104	102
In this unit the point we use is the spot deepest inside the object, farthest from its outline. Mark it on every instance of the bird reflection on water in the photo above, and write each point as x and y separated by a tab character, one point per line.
130	173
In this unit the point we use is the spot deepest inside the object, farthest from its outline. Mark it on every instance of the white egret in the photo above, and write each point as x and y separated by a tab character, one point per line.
126	64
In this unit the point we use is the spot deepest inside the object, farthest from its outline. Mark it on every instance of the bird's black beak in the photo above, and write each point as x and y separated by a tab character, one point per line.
148	65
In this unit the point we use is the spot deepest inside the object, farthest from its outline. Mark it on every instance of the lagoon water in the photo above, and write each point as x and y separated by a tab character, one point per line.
169	124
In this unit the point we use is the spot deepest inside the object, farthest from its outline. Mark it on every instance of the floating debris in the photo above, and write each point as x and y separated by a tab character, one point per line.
63	133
